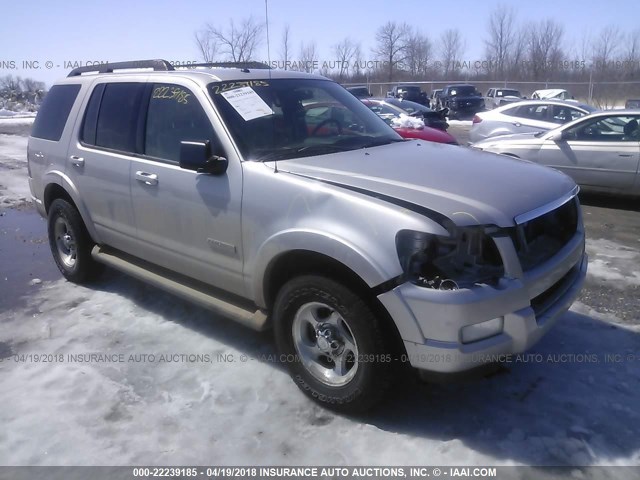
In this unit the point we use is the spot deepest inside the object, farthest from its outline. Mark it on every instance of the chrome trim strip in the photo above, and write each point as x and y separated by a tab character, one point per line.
537	212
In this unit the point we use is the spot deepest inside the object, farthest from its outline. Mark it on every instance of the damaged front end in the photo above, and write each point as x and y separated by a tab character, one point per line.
467	257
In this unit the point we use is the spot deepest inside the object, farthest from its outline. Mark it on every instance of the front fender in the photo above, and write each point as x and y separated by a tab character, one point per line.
58	177
372	269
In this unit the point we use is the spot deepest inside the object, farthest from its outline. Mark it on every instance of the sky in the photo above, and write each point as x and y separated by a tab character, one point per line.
116	30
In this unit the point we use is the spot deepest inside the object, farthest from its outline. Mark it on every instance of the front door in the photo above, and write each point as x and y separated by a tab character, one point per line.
602	152
186	221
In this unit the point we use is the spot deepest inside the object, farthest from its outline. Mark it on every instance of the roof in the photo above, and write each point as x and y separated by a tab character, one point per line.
202	75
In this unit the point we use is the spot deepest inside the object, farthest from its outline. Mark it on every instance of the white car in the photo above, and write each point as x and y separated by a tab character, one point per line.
551	93
524	117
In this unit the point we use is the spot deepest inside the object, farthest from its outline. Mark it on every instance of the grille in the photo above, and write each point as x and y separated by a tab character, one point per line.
539	239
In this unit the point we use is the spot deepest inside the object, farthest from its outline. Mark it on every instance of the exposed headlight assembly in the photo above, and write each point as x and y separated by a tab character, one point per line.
466	258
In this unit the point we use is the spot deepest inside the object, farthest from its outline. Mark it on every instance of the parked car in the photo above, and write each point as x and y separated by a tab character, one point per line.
525	116
405	126
497	97
632	104
432	118
434	99
600	151
359	91
409	92
461	100
551	93
364	252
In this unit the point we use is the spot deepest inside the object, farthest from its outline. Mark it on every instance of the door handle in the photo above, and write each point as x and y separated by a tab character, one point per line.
147	178
625	155
517	124
38	155
77	161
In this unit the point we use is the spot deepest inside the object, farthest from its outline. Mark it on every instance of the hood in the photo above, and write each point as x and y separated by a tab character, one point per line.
467	186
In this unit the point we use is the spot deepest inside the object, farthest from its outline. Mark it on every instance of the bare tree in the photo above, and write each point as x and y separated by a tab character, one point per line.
207	47
286	48
501	41
631	54
418	53
544	48
391	44
345	52
451	50
605	47
237	43
308	57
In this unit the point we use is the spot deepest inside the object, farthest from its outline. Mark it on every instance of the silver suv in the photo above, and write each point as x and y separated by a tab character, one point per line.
279	199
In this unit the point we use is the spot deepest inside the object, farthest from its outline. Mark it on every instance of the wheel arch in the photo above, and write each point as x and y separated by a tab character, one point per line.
58	185
300	262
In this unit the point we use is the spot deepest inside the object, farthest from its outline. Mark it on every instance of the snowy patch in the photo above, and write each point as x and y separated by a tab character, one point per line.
564	405
406	121
14	185
611	261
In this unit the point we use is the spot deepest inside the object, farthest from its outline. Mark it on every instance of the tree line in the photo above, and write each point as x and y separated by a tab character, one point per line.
514	50
18	91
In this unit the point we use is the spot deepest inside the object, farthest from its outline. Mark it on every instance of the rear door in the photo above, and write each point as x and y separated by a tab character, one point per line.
187	222
601	152
100	157
531	118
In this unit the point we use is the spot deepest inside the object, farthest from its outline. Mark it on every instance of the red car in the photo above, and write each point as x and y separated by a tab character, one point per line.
389	112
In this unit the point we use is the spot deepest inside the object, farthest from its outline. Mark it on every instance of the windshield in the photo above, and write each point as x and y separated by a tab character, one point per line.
464	91
509	93
289	118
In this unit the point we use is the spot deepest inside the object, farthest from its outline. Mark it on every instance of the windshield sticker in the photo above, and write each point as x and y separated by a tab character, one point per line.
225	87
172	93
247	103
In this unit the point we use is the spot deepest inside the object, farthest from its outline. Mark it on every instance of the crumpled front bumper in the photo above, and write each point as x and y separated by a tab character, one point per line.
430	321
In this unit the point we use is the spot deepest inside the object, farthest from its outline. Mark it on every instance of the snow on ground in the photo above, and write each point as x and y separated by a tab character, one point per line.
14	187
564	403
4	113
610	261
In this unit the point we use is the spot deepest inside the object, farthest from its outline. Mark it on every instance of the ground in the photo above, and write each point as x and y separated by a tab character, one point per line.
182	386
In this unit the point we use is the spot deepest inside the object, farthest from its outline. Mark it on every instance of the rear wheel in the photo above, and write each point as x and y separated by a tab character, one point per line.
332	343
70	242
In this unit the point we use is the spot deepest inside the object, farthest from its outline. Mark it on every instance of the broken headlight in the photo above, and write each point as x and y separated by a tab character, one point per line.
466	258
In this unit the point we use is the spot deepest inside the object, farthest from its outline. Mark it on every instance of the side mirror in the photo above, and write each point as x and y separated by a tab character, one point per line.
197	156
561	136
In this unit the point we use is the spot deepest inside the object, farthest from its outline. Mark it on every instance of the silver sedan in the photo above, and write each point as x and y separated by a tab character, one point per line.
527	116
600	151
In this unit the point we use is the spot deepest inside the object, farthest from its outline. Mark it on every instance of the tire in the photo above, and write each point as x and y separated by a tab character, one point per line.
70	243
333	344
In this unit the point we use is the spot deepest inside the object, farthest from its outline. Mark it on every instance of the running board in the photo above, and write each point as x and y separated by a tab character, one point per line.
173	283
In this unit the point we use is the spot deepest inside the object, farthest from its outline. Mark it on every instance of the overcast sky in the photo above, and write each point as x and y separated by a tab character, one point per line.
116	30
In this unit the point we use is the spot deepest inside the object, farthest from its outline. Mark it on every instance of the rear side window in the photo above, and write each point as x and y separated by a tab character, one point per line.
117	122
54	112
174	115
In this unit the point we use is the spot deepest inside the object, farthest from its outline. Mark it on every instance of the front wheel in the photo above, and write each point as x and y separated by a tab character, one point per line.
332	343
70	242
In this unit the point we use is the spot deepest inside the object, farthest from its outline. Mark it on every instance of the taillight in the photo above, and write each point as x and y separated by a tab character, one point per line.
476	119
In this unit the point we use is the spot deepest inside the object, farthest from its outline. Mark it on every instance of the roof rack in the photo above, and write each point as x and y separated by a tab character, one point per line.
243	65
159	65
